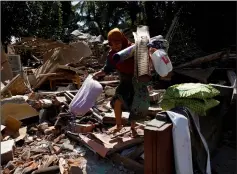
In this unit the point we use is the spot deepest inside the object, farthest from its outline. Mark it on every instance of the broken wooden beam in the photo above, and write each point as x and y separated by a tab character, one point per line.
202	60
17	86
137	152
128	163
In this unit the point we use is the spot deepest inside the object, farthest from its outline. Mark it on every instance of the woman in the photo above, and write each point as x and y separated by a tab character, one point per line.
130	94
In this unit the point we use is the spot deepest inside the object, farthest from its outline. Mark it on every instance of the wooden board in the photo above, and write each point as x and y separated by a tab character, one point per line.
60	57
128	163
17	86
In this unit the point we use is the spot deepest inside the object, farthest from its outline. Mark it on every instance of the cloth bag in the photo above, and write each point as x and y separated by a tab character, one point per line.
86	96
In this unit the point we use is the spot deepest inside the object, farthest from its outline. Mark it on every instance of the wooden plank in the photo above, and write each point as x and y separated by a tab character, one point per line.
16	86
137	152
201	60
128	163
55	92
108	82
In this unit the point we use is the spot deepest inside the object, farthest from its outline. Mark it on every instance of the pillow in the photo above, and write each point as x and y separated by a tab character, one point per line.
196	105
191	90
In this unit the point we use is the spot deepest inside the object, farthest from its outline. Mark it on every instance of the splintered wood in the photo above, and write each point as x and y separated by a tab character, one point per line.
17	86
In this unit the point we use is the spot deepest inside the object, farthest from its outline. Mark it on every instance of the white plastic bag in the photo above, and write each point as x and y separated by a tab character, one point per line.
86	96
161	62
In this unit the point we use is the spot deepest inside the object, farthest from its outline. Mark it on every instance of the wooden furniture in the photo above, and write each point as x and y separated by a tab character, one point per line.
158	148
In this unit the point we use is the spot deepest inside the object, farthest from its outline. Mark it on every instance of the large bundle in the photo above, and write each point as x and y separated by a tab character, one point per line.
196	96
86	96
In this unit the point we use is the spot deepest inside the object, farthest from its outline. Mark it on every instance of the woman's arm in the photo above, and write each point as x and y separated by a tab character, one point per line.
108	68
99	74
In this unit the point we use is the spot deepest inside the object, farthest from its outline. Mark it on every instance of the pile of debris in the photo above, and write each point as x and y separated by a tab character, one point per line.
40	135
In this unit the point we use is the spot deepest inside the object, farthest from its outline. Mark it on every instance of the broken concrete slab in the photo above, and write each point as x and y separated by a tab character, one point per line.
109	145
22	134
7	148
16	107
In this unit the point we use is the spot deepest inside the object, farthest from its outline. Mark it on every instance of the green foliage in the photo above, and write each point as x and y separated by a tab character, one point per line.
199	20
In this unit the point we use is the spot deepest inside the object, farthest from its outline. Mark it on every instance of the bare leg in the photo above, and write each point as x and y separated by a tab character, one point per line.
118	116
133	125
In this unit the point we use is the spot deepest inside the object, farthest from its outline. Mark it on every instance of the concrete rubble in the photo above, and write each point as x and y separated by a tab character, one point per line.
39	135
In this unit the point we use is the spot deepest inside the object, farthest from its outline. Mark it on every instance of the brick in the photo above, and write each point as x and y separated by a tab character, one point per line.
57	149
84	128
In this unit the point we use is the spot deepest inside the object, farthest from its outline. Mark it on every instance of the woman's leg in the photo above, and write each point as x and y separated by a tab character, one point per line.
118	113
118	116
122	100
140	105
133	125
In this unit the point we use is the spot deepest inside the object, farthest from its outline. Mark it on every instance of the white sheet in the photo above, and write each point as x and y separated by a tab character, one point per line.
181	143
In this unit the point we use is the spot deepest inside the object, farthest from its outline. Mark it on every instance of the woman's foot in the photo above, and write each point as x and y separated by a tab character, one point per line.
133	126
134	132
115	129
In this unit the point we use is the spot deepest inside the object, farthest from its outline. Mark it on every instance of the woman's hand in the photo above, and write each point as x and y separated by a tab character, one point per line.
151	51
98	74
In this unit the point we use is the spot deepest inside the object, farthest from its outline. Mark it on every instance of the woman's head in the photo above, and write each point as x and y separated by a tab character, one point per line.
117	40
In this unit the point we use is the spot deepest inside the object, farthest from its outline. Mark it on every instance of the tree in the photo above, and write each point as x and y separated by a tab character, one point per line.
46	19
